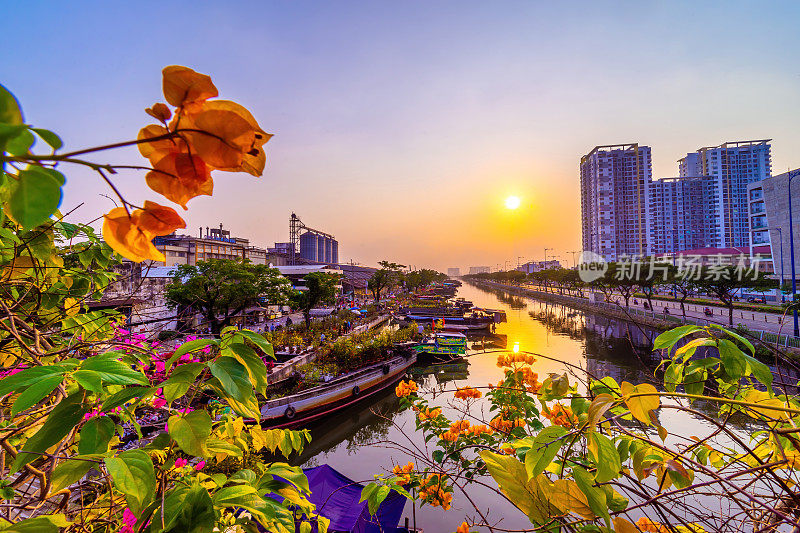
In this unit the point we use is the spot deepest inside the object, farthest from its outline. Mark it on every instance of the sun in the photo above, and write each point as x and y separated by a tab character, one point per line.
512	202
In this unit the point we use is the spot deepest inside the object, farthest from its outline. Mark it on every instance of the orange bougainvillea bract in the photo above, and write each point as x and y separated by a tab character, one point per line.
201	135
132	235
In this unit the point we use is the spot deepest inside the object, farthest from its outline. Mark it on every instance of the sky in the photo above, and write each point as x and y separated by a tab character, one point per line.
402	127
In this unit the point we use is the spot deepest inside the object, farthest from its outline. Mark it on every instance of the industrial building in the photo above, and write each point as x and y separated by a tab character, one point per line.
314	245
214	243
454	272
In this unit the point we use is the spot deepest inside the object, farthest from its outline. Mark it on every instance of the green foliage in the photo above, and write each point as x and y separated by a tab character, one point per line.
220	289
320	289
73	385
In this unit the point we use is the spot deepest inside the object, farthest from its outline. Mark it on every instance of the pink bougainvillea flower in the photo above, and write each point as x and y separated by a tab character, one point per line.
180	462
128	517
158	403
199	466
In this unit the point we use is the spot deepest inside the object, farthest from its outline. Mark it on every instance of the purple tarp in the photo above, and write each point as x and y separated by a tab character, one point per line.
336	497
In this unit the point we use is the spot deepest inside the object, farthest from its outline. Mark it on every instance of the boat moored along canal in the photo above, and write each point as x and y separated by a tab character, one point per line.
339	393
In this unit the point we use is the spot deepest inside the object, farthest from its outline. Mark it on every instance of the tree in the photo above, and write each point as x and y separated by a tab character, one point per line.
681	284
650	277
221	289
320	289
417	279
724	281
72	377
383	278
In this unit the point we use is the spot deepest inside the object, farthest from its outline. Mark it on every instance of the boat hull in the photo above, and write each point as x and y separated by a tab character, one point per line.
326	399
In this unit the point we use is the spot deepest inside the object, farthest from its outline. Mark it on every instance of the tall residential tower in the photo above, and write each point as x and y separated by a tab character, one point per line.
731	166
614	207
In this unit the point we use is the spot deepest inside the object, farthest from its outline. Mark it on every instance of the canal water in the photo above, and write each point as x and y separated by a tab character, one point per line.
370	439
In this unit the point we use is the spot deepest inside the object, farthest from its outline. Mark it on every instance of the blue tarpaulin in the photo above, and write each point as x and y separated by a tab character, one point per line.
336	497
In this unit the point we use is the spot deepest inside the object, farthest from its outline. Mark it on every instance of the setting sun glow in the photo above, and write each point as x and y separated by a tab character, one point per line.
512	202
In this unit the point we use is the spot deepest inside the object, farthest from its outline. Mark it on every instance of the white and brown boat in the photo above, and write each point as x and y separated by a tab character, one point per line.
339	393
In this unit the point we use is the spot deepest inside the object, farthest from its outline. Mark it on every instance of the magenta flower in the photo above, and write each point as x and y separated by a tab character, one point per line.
180	462
199	466
128	517
158	403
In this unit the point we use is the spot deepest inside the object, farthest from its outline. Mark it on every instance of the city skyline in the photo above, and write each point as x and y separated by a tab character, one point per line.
393	122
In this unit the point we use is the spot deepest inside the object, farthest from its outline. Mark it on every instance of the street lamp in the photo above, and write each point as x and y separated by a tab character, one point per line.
793	175
545	254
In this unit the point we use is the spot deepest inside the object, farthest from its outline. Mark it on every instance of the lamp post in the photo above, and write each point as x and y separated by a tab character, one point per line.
793	175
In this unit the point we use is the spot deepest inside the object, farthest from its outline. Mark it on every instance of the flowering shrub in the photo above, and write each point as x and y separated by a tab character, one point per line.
102	430
594	456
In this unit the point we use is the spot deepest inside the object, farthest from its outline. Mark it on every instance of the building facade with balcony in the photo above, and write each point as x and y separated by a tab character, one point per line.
768	214
614	200
732	167
625	213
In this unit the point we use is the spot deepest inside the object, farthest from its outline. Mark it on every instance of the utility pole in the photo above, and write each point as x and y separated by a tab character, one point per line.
545	254
574	264
518	258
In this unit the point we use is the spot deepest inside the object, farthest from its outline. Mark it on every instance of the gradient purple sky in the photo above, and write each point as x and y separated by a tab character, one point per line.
401	127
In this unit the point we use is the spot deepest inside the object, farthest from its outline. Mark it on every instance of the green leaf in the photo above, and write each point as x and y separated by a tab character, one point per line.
35	196
114	372
736	336
732	358
189	347
236	496
68	472
21	143
95	435
511	477
40	524
126	395
543	450
263	344
35	393
180	380
594	495
597	409
222	446
292	474
196	512
65	415
673	376
761	371
605	456
191	432
256	368
669	338
89	380
10	111
233	378
19	381
133	475
49	137
377	498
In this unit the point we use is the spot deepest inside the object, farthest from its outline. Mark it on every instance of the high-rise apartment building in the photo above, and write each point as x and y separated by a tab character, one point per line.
678	209
614	200
732	166
625	213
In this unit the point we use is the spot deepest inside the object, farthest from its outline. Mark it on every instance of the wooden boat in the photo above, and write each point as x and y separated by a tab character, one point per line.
339	393
442	346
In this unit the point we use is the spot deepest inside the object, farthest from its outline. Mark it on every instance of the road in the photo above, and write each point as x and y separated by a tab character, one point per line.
754	320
